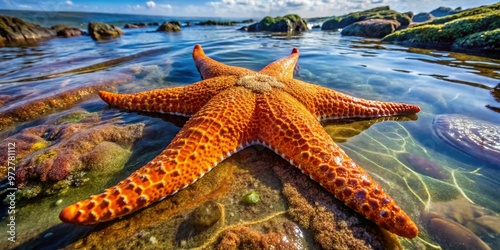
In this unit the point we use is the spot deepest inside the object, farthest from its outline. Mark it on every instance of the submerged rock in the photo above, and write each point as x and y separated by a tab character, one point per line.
50	156
481	221
383	12
276	221
474	137
100	31
54	101
66	31
168	27
16	30
332	224
373	28
472	29
450	234
287	23
424	166
206	215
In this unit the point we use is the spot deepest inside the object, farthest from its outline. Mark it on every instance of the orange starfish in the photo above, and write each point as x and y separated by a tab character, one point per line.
233	108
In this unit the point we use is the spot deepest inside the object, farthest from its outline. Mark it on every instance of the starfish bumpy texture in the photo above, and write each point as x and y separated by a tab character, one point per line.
233	108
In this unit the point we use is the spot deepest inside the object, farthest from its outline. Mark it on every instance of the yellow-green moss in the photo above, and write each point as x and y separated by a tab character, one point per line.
38	145
49	154
466	13
456	32
74	117
487	40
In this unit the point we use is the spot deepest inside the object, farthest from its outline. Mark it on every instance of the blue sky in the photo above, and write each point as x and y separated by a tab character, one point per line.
234	8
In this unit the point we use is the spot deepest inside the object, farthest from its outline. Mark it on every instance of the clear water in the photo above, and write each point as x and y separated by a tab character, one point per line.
439	82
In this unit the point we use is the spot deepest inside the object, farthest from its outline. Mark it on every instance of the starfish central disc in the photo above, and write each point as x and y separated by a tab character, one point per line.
259	83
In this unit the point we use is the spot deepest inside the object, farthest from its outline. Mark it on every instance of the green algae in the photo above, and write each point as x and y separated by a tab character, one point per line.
471	29
250	198
75	117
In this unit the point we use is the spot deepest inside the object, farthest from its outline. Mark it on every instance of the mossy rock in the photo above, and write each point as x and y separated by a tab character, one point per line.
63	30
75	117
100	31
16	30
474	29
487	40
168	27
176	23
383	12
287	23
217	23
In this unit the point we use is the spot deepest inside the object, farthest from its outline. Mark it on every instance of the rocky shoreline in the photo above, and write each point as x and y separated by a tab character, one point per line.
471	30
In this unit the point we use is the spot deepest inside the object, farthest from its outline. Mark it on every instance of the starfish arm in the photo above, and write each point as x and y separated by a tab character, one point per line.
209	68
282	68
330	104
218	130
185	101
288	128
327	103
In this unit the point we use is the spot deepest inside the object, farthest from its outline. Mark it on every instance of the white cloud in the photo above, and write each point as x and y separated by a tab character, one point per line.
151	4
311	8
69	3
25	6
306	8
165	6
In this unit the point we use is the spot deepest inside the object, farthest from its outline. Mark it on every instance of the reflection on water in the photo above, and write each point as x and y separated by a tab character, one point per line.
396	152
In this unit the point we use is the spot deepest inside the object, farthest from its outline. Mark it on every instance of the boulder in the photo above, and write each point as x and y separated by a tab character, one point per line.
445	11
373	28
176	23
410	14
25	110
376	13
288	23
477	138
168	27
16	30
66	31
476	29
100	31
219	23
423	17
134	25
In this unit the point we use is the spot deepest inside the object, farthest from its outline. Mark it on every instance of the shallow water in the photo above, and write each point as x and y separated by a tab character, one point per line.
439	82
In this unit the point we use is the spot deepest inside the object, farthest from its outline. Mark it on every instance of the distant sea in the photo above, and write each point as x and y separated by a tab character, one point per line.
81	19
